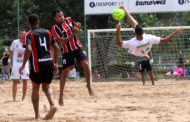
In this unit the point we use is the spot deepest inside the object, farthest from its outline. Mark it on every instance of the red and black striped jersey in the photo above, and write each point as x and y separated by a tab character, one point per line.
41	42
64	30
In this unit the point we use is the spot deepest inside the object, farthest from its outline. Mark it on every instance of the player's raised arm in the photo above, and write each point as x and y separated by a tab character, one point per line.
170	36
76	27
130	18
118	40
55	57
77	24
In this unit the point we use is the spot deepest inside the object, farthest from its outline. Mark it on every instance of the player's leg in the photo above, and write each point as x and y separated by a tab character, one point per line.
9	75
149	69
8	72
36	81
86	69
141	67
25	77
67	62
14	88
151	77
24	88
48	92
82	59
63	78
3	72
143	77
35	98
48	76
15	76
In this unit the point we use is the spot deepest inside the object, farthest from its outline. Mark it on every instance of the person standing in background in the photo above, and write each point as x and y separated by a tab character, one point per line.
5	65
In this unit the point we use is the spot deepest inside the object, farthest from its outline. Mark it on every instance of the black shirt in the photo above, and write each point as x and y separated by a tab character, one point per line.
40	41
5	60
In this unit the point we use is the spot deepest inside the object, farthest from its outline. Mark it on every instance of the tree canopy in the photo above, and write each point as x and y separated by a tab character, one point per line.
75	9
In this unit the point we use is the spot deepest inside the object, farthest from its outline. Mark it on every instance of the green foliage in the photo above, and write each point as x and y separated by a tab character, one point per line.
75	9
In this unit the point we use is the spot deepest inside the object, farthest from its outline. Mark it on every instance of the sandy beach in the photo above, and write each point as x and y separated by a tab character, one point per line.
167	101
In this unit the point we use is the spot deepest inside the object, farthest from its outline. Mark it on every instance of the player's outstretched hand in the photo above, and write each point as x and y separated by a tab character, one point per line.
146	57
76	30
90	91
21	69
118	27
121	7
179	30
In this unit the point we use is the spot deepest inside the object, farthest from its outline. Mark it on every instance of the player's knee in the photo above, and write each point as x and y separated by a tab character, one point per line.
65	72
84	64
35	91
45	88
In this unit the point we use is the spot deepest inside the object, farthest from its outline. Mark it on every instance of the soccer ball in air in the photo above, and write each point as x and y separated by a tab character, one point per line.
118	14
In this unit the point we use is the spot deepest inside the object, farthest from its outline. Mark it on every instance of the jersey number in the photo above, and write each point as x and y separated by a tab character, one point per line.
147	50
43	44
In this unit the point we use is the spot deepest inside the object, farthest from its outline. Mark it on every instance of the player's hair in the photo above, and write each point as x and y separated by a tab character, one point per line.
58	10
33	19
139	30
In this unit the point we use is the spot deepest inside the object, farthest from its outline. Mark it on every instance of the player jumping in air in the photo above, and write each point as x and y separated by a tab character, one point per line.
38	45
141	44
64	30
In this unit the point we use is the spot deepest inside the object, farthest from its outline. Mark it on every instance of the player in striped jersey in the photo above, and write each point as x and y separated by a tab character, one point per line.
64	31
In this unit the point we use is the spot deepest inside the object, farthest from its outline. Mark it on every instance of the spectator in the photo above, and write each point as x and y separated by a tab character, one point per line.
72	74
176	72
5	65
181	59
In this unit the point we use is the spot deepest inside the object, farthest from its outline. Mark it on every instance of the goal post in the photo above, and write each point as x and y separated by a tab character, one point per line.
109	62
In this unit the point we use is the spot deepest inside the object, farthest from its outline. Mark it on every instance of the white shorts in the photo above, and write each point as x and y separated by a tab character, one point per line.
173	74
17	76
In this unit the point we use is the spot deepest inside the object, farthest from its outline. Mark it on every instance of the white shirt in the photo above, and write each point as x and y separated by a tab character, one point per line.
18	53
141	47
72	73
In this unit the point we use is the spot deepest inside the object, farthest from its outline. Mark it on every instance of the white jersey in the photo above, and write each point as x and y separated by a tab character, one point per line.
142	47
18	53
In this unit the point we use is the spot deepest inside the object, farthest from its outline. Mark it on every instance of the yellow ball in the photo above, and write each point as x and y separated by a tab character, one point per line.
118	14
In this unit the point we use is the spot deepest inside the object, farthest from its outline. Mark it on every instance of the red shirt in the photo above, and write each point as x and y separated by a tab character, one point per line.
64	30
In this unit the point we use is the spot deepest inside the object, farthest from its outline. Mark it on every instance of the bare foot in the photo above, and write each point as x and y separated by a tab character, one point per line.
90	91
51	113
61	103
23	98
37	117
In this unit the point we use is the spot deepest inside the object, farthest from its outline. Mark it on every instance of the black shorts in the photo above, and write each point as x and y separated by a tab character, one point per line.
44	76
69	58
144	66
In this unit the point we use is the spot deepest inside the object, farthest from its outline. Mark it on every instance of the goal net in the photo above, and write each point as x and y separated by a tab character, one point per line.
110	62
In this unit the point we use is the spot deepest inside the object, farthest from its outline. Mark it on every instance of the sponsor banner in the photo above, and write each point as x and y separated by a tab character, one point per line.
181	5
150	6
93	7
